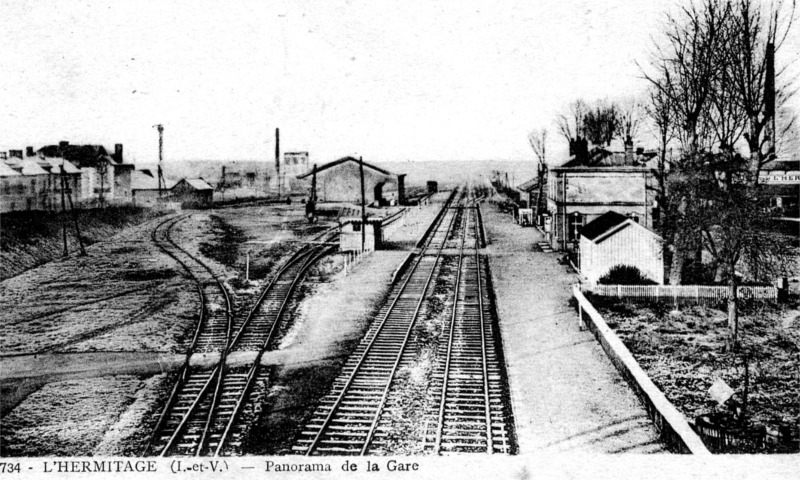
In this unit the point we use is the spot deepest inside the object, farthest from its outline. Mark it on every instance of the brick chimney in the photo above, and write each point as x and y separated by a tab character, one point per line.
29	152
118	152
629	157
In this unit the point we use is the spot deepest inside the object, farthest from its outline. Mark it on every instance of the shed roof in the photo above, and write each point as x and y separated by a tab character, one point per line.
609	224
602	224
142	181
341	161
198	184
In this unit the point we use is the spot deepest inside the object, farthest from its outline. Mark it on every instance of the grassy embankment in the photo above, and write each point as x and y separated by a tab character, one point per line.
30	239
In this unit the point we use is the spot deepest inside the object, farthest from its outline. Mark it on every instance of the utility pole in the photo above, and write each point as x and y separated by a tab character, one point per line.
161	181
74	214
63	210
278	160
363	205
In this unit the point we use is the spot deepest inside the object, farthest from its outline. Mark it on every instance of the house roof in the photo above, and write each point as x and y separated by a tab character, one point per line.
56	163
607	157
7	171
197	183
341	161
781	165
529	185
29	167
81	155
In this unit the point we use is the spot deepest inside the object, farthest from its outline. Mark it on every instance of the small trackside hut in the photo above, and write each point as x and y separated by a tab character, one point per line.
351	234
614	239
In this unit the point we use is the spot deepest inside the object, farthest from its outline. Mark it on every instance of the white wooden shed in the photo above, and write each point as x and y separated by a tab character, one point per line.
613	239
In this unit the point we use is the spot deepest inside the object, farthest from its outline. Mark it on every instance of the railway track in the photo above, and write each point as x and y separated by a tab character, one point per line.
470	413
468	395
209	409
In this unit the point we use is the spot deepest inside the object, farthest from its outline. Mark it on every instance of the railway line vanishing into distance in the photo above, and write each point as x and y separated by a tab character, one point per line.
467	400
210	409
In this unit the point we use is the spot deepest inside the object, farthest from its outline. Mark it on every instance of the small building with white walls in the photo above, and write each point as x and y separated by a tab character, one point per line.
613	239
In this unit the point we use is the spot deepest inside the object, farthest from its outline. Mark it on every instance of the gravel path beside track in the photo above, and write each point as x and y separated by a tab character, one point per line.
566	394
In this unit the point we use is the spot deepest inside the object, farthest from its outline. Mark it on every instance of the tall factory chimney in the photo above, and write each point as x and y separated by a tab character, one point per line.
769	97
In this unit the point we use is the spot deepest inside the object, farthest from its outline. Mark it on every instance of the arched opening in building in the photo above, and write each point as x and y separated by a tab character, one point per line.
378	191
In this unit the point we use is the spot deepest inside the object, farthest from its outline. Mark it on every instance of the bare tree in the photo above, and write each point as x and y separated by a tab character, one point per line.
602	123
571	125
658	110
538	141
716	78
631	112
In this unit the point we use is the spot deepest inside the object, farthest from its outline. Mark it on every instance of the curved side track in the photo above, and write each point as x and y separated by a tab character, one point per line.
204	406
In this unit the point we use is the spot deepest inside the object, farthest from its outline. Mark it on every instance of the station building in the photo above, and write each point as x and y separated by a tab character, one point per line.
340	181
583	189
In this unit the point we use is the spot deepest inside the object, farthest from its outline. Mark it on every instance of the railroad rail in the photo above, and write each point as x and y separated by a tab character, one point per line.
203	415
467	407
469	393
347	419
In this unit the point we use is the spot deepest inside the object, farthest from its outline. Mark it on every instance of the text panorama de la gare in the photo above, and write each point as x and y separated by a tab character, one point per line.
151	466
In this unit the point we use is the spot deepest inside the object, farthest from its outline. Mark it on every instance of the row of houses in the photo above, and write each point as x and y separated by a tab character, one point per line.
32	179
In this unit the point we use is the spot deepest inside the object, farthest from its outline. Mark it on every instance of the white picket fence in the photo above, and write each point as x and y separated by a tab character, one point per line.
698	293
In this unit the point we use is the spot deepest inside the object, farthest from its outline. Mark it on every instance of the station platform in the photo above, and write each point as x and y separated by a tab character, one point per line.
566	395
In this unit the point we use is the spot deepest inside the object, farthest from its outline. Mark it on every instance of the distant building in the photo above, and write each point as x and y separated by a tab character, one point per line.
780	181
29	182
145	191
192	192
585	188
613	239
102	173
340	181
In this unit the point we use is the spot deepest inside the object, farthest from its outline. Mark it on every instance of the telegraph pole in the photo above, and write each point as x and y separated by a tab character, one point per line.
161	181
74	214
278	160
363	205
63	210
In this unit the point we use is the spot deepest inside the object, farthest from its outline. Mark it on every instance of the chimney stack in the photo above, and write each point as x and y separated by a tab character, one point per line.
118	152
629	158
29	152
63	144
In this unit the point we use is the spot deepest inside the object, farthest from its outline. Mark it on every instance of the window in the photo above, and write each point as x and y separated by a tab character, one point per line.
574	225
356	227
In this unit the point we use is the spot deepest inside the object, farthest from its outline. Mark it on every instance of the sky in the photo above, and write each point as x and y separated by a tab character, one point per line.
389	81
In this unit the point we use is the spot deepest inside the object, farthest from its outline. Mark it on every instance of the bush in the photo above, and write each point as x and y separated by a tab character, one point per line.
625	275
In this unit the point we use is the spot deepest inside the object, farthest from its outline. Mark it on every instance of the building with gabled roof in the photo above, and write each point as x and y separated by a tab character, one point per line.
340	181
193	192
586	187
101	170
613	239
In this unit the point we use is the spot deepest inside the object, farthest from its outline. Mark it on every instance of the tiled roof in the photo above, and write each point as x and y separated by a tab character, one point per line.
198	184
341	161
602	224
7	171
